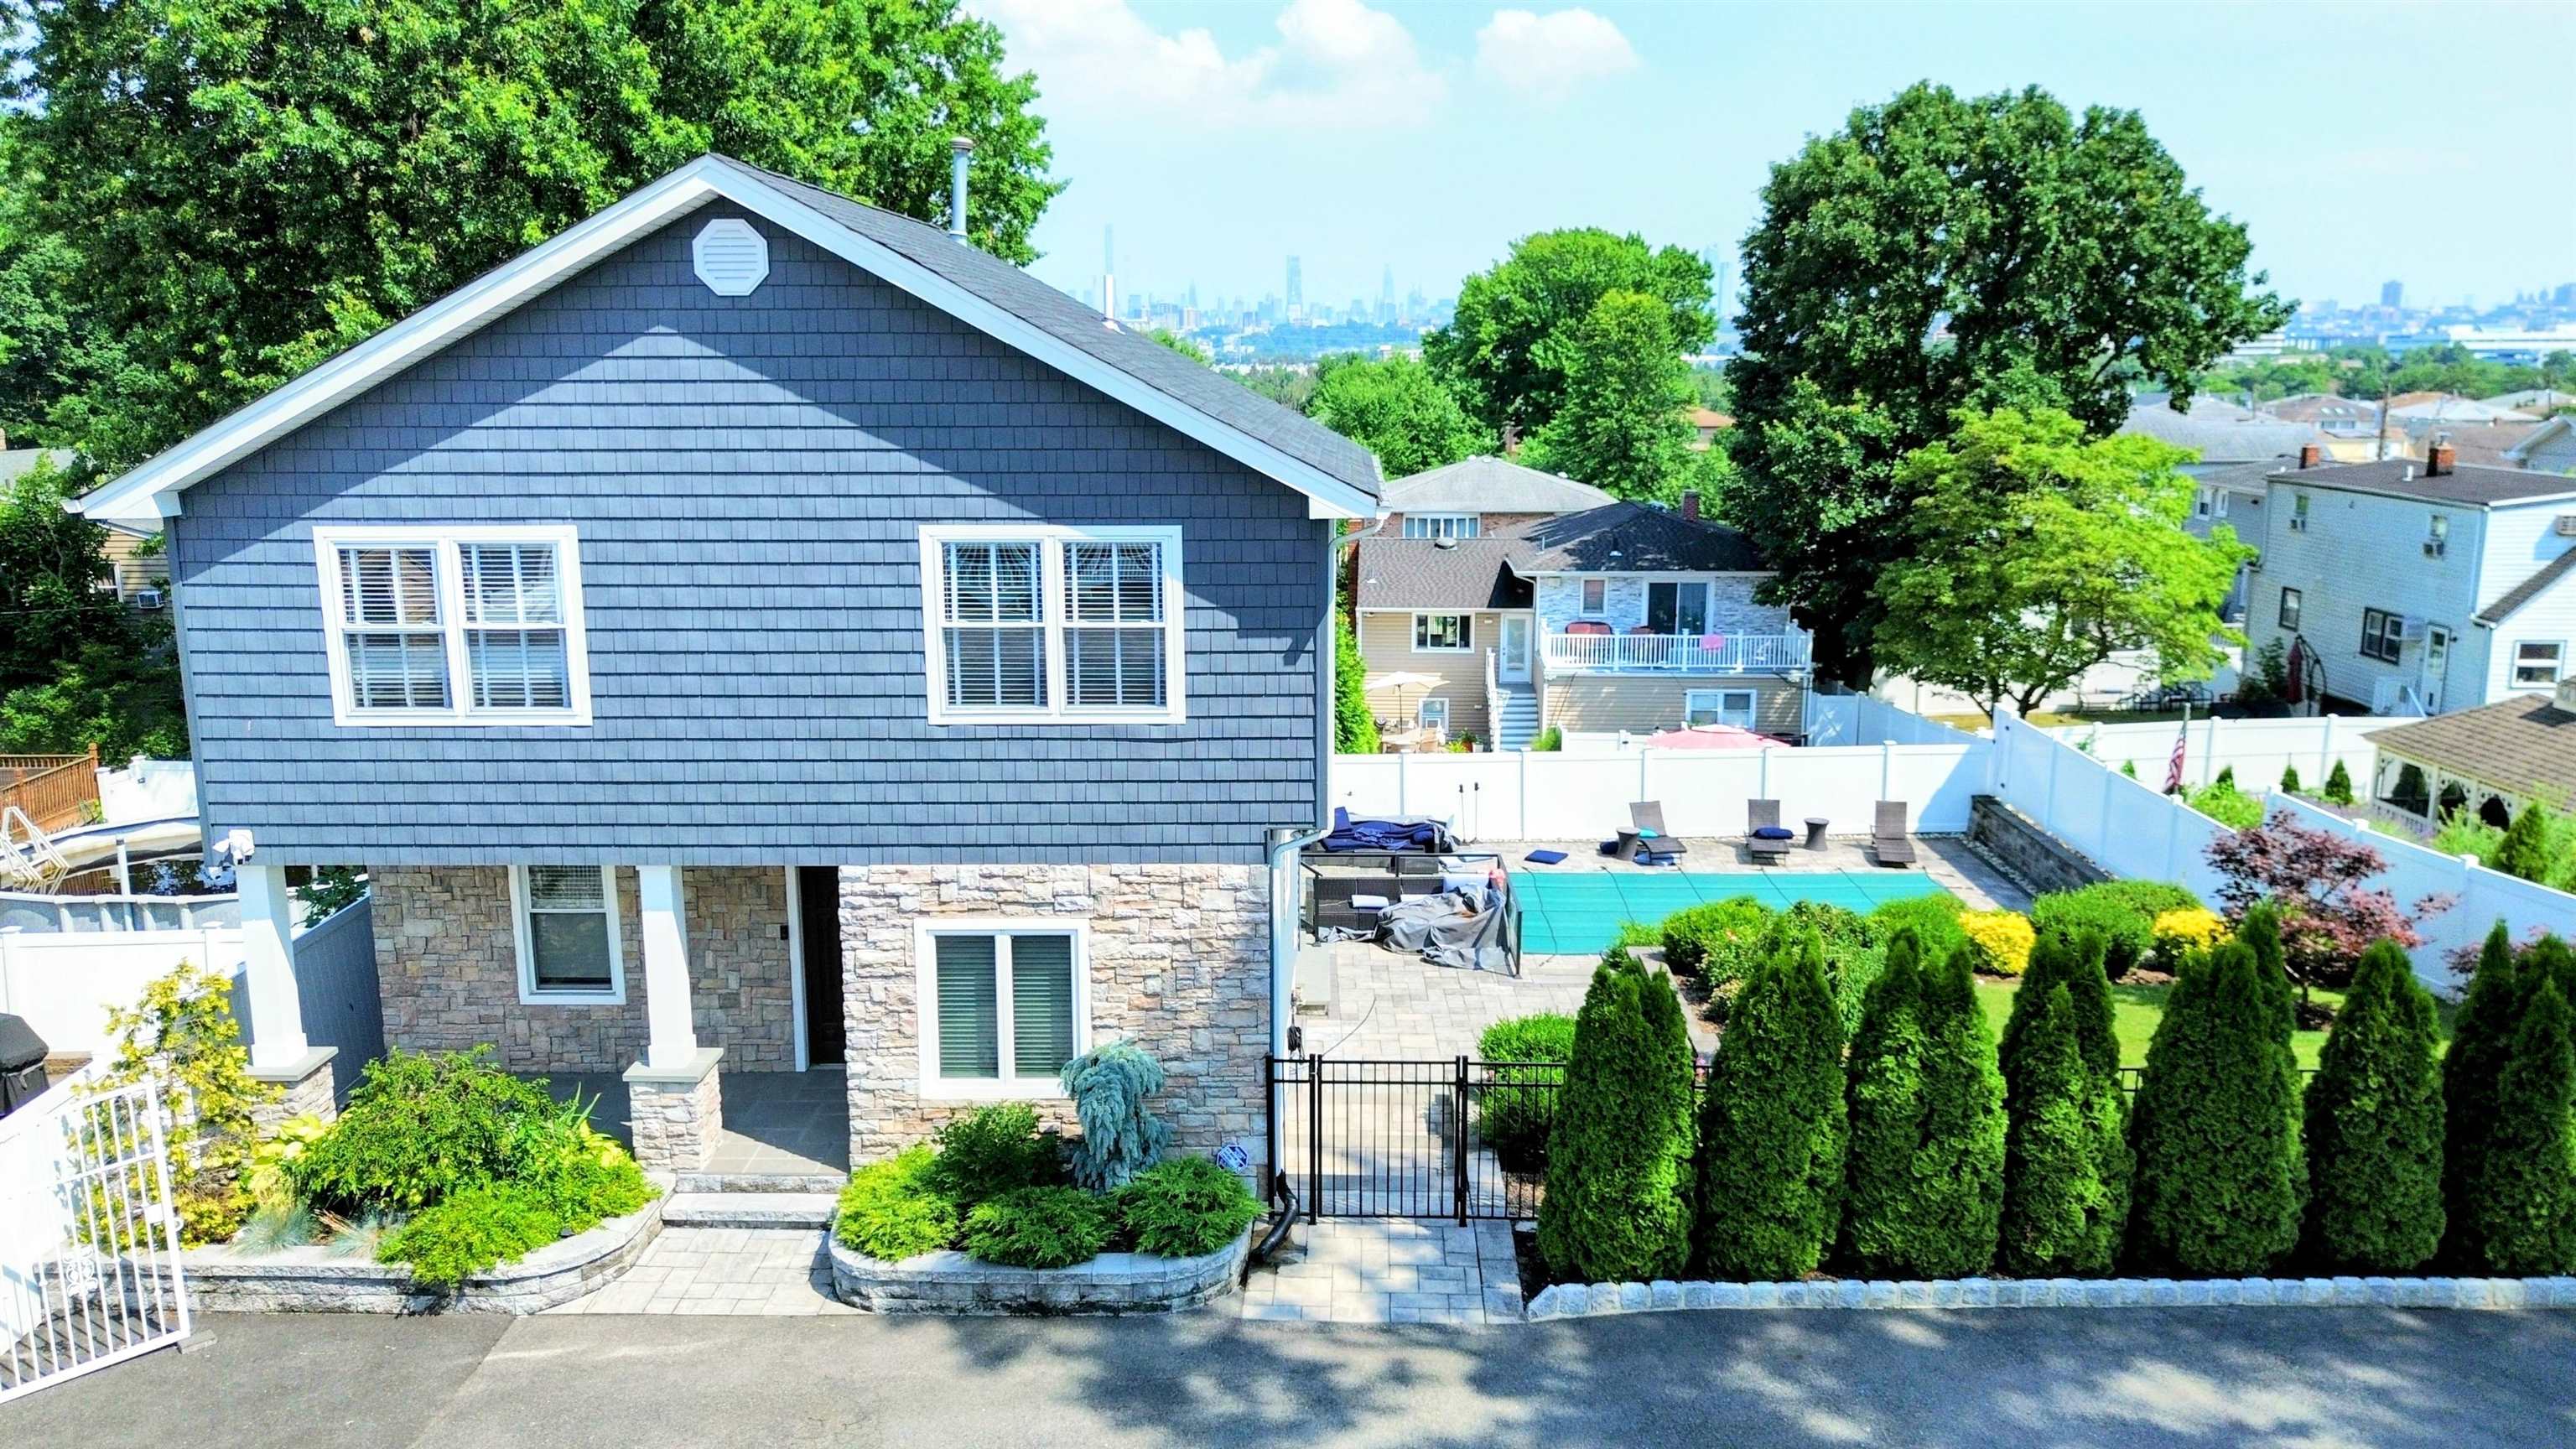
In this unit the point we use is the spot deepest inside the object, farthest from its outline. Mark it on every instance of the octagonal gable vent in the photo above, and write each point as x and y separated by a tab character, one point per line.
732	257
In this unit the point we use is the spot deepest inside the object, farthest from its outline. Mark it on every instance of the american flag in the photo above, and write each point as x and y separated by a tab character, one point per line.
2173	768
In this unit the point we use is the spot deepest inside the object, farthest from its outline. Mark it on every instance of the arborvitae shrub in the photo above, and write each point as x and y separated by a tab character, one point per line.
2289	779
1672	1082
1960	1165
1613	1209
1883	1102
2525	851
2526	1198
2217	1186
2374	1126
2261	933
1772	1125
2062	1213
2338	785
2075	962
2226	776
2472	1070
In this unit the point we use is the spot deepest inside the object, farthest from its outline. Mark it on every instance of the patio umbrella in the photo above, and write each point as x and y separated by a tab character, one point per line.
1709	737
1402	680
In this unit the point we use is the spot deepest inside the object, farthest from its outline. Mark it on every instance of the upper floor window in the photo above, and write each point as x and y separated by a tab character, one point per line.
2383	635
1442	634
1441	525
1040	624
2290	602
1596	597
2538	665
2298	513
432	626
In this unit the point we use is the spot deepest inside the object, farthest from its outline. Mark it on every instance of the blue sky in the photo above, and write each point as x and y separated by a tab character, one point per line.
1219	137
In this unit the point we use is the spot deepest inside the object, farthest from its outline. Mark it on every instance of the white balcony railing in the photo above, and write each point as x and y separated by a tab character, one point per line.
1788	653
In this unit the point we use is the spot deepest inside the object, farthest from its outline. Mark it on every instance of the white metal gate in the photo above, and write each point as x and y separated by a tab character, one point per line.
89	1244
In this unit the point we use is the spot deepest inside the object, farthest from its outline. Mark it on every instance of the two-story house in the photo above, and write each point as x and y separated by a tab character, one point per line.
2420	587
754	632
1617	617
2237	448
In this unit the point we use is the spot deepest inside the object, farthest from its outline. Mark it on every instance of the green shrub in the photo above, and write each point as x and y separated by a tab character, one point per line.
2539	846
2374	1126
2289	779
2124	911
1613	1207
1674	1081
421	1127
2472	1071
1772	1125
181	1034
890	1210
1933	918
2462	833
2074	962
2221	801
469	1231
1883	1104
1636	936
1120	1135
2065	1198
2526	1198
1717	942
2218	1180
1183	1207
1923	1190
2338	789
2226	776
1038	1227
1853	951
1514	1119
990	1151
1551	738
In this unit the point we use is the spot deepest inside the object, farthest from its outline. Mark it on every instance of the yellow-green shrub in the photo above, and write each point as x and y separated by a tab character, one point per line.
2184	932
2001	939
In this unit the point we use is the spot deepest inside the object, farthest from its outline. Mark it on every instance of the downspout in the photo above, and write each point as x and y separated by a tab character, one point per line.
1285	884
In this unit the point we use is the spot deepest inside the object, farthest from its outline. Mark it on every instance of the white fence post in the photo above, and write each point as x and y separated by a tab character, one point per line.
1403	785
1886	771
1522	806
2326	753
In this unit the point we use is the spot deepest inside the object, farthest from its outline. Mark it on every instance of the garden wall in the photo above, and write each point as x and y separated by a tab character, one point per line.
1112	1283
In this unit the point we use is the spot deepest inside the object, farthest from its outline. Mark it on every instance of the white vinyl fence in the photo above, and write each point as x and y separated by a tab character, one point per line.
2257	749
64	982
2484	896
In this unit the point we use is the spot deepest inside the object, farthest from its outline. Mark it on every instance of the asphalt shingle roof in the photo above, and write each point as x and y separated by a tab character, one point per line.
2525	745
1493	571
1488	485
2221	432
2469	484
1042	306
2563	566
1426	573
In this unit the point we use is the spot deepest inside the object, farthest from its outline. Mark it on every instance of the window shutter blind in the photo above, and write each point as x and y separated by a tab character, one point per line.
393	668
995	640
970	1043
515	667
1041	1004
1114	584
568	928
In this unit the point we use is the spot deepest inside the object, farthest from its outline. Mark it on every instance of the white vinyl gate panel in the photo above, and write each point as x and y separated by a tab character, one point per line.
90	1273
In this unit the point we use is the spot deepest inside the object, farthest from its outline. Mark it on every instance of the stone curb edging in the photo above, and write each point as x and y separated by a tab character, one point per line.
1113	1283
311	1280
1578	1300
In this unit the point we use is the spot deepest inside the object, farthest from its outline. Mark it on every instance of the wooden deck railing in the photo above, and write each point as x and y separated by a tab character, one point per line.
56	791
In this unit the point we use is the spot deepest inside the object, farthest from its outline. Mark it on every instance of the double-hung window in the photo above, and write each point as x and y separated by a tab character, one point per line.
447	626
1442	525
2291	603
1718	707
2538	665
1596	597
2383	635
1004	1005
570	953
1043	624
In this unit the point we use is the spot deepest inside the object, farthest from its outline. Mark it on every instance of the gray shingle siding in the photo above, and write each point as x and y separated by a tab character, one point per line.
748	476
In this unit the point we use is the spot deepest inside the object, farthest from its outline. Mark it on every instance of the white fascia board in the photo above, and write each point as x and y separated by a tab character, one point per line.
146	494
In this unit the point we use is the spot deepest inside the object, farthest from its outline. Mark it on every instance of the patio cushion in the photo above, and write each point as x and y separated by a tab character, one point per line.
1775	832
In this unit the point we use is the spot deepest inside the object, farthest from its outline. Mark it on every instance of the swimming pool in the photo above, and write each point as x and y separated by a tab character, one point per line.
1578	912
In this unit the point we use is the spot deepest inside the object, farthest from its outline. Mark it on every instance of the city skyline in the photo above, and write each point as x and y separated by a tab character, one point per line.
1423	139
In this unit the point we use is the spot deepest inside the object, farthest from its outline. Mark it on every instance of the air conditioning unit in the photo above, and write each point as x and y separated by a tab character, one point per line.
149	599
2298	523
2410	629
2567	525
2436	547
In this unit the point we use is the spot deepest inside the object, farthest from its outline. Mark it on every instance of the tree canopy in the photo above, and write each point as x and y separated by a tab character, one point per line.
205	199
2028	555
1622	424
1944	252
1394	408
1494	354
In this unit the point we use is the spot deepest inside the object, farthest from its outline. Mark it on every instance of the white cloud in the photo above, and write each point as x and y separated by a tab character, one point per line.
1336	63
1549	55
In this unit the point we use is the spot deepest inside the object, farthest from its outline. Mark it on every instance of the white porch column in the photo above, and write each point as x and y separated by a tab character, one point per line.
674	1041
279	1053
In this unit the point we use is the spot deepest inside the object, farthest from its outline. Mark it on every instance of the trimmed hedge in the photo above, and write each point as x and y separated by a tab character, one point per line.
1773	1124
1935	920
1183	1207
1717	942
890	1210
1515	1120
2124	911
2374	1126
1038	1227
2218	1181
1614	1210
1998	942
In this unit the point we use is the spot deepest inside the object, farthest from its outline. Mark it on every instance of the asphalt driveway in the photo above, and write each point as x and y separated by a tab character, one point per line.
1983	1380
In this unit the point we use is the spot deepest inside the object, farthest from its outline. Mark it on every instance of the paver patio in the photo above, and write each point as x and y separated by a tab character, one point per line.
778	1272
1391	1271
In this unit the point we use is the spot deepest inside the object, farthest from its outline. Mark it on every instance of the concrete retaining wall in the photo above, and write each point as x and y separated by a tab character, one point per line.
2031	855
1113	1283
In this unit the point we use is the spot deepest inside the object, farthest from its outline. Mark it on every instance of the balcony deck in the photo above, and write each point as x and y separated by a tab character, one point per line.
1710	654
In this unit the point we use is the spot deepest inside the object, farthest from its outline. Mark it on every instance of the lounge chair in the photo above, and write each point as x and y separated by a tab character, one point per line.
1759	816
1649	837
1887	838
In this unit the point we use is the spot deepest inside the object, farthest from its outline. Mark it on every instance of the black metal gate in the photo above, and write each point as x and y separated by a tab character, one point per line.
1361	1138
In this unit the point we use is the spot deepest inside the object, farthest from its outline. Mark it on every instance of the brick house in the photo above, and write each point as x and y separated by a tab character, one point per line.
755	634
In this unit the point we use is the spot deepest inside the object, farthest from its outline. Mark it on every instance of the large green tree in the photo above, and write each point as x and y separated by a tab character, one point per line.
1942	252
247	186
1494	353
1395	408
2029	555
1622	423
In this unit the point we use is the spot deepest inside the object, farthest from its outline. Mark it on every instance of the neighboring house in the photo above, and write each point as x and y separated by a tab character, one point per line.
2223	433
2548	448
754	632
2487	761
1621	617
1463	498
2537	401
2421	587
1706	424
140	579
2351	425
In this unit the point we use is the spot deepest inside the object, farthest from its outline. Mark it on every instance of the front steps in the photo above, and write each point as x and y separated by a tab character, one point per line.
1517	725
749	1210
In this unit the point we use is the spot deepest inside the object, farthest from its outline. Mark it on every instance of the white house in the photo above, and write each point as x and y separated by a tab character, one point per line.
2420	587
2550	448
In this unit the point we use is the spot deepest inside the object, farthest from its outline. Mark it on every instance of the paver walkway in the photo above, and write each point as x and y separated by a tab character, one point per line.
777	1272
1391	1271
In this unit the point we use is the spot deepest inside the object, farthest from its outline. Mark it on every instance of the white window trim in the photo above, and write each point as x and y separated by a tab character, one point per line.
936	1088
1425	708
2292	611
1443	525
1051	539
1752	705
448	542
1583	606
529	995
2514	666
1466	631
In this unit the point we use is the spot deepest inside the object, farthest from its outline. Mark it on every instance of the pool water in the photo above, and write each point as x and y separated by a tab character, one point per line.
1578	912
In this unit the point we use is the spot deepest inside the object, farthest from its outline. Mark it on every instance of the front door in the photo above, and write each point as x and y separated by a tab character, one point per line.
818	923
1514	666
2437	665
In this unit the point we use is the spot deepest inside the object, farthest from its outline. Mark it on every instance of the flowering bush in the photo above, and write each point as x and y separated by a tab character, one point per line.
2186	931
2001	939
2315	878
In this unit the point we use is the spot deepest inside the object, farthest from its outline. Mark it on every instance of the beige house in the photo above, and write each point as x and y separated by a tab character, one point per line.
1605	618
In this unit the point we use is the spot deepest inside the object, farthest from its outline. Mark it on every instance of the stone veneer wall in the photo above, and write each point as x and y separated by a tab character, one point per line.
447	968
1179	963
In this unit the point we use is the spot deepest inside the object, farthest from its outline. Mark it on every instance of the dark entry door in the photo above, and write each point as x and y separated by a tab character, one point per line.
818	908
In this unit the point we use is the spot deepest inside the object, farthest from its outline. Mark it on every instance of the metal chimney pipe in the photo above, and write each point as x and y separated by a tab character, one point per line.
960	148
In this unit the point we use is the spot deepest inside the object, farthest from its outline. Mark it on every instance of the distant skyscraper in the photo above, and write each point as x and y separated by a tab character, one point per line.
1296	291
2392	294
1108	271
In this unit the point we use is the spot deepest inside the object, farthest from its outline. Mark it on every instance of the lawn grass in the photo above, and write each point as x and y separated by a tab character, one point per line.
1971	722
2135	1010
